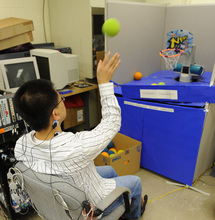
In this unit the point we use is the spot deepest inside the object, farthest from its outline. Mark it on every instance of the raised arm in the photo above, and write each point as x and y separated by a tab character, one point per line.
106	68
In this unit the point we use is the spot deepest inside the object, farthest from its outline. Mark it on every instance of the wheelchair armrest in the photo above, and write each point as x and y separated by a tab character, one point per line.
114	195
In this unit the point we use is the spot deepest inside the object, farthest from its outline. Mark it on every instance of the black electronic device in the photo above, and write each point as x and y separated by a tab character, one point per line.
52	46
15	54
11	124
64	49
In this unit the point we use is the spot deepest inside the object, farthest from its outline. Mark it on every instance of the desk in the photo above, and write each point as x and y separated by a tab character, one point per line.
84	92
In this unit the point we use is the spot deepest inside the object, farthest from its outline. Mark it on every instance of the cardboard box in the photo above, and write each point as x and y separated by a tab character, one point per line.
15	31
16	40
100	56
75	116
127	162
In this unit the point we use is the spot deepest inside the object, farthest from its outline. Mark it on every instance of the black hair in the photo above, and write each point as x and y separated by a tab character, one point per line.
34	102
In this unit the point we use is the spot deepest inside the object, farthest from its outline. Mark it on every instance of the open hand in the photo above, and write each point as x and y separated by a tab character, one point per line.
106	68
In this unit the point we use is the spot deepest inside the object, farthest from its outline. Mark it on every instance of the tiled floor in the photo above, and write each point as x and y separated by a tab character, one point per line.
183	204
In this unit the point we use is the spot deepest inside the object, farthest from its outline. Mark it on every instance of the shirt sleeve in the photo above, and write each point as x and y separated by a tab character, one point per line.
94	141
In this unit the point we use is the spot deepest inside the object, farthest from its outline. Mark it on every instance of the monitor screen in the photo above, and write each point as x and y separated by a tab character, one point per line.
60	68
15	72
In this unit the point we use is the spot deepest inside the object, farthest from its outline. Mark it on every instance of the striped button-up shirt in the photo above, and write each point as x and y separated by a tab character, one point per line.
71	155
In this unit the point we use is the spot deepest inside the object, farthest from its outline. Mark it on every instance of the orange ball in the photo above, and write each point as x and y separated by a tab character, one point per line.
105	154
138	75
113	149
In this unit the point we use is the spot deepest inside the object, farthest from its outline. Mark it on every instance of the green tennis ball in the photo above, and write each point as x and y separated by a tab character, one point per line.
111	27
161	83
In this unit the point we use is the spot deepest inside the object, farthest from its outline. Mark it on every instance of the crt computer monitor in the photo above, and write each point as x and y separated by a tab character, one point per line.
60	68
15	72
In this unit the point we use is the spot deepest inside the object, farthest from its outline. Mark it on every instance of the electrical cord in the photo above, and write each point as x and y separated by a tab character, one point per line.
31	162
185	187
18	173
50	182
203	173
64	205
19	199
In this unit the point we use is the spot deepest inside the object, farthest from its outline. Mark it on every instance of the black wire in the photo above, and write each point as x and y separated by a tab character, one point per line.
67	211
50	182
24	154
24	150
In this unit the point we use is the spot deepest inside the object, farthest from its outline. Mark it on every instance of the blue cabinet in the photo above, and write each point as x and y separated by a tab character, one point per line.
177	138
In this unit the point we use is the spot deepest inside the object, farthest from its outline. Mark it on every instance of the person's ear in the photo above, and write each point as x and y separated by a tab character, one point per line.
55	115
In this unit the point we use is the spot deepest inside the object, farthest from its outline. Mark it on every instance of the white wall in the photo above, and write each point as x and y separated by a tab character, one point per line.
71	25
139	40
101	3
199	20
143	29
32	10
97	3
174	2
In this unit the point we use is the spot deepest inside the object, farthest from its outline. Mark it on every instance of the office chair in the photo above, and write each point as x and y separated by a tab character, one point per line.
55	198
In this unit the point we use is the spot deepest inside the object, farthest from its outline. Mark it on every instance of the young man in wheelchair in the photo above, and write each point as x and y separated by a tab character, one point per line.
48	149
